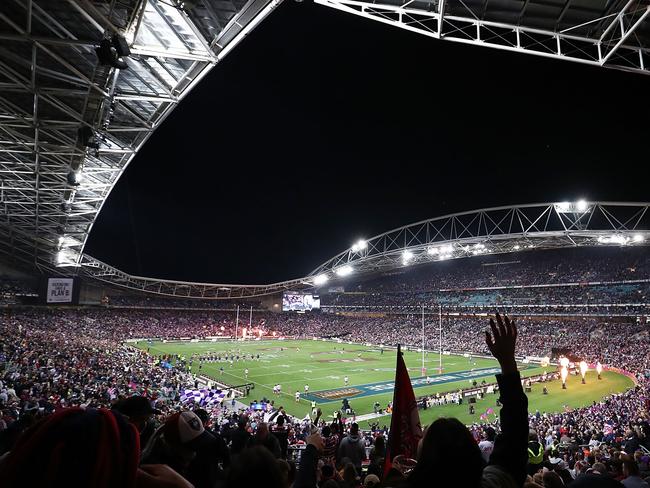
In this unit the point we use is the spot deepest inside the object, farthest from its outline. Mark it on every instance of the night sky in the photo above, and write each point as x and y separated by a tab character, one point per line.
322	128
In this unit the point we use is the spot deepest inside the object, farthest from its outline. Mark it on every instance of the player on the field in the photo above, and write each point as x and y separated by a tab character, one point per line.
346	380
314	410
246	373
221	370
306	388
297	396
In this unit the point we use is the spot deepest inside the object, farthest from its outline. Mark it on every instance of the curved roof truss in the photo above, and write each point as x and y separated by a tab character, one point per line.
492	231
489	231
608	33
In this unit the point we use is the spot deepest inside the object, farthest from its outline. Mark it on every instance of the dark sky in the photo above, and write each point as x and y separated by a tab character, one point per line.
321	128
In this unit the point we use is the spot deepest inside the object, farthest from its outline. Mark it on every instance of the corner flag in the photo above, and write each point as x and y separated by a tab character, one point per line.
405	427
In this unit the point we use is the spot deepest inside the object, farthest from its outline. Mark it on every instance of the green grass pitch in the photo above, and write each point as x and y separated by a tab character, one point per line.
324	364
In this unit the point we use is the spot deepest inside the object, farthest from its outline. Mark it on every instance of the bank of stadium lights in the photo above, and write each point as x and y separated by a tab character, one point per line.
66	241
444	251
620	239
360	245
344	270
479	249
579	207
407	256
320	279
66	257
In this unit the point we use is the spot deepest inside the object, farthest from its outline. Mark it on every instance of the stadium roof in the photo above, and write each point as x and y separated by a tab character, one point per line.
84	84
481	232
609	33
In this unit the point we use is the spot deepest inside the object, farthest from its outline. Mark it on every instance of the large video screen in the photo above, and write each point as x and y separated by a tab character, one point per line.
59	290
299	302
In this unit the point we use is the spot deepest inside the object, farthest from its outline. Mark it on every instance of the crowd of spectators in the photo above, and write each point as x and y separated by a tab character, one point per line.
12	290
147	301
54	361
518	269
559	277
80	407
616	298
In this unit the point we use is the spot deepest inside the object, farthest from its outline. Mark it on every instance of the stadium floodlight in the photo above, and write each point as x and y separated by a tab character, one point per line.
360	245
446	249
614	239
320	279
407	256
638	238
562	207
344	270
516	247
581	206
478	249
66	241
66	257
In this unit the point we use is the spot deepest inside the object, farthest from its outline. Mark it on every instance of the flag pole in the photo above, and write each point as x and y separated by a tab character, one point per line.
440	344
237	323
422	339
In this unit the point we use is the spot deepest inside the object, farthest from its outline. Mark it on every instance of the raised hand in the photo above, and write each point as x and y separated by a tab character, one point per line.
502	342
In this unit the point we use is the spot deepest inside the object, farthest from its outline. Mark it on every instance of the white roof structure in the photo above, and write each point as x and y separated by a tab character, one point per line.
608	33
500	230
83	84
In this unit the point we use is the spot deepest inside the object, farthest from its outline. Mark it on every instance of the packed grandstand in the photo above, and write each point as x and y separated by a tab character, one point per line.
592	304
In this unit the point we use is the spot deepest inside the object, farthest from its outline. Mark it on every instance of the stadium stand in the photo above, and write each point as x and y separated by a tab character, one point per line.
77	360
50	361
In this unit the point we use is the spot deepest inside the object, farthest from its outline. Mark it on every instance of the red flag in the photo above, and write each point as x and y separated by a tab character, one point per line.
405	427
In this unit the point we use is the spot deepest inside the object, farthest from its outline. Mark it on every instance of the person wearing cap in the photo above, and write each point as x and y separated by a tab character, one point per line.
183	443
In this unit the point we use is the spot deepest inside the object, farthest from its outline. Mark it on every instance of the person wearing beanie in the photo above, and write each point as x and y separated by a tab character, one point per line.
79	448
